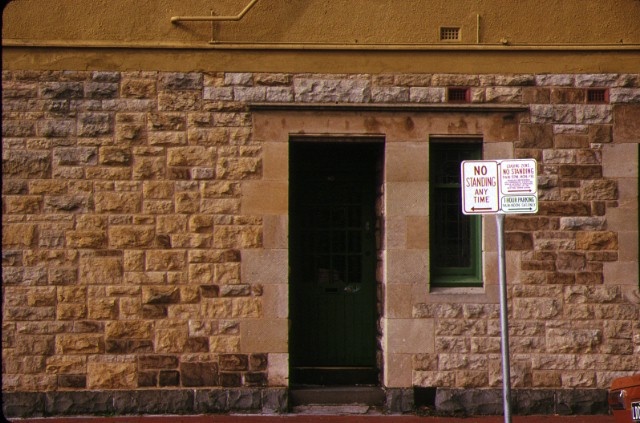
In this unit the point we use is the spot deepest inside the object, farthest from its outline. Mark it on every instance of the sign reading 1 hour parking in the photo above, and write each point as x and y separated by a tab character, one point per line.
499	186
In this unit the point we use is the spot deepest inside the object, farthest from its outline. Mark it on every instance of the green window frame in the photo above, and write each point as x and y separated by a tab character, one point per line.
455	238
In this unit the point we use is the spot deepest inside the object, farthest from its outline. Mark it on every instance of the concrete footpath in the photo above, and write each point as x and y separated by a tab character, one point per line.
311	418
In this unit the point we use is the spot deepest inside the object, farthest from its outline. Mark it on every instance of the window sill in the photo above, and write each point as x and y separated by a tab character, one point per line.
458	290
487	294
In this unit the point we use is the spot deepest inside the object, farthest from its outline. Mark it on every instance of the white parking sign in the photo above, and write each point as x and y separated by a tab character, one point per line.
499	186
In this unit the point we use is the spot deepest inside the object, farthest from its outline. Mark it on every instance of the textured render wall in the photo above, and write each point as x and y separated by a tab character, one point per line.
144	234
322	21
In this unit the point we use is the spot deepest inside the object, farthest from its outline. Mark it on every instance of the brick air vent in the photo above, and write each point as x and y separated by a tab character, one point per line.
449	33
457	95
597	95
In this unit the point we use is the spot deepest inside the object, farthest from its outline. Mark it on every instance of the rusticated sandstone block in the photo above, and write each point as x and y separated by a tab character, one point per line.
560	278
86	239
238	168
187	202
582	223
563	208
234	362
67	203
76	156
589	278
41	296
180	81
18	235
237	236
581	171
94	124
26	164
157	190
23	204
79	344
101	90
69	364
604	189
59	90
111	376
35	345
332	90
160	295
118	202
148	168
537	308
146	362
166	260
131	236
128	346
15	187
180	100
191	156
573	340
131	330
166	122
18	128
571	261
101	270
72	381
518	241
546	378
115	156
199	374
138	88
592	240
103	308
71	311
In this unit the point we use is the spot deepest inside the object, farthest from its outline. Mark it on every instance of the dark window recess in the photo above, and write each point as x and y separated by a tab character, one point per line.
458	95
424	397
455	238
597	95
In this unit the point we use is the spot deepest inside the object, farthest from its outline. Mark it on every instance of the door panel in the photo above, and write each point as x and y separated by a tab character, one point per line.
333	262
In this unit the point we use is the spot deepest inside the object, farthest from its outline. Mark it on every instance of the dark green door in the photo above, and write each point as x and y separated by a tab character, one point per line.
333	262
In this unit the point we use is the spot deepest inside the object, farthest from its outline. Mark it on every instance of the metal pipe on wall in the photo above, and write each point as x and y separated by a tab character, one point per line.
237	17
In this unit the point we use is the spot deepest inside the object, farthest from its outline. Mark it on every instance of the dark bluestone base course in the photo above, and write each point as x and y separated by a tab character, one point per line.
523	401
157	401
448	402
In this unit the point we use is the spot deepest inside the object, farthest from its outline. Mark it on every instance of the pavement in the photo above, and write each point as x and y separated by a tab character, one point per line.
319	418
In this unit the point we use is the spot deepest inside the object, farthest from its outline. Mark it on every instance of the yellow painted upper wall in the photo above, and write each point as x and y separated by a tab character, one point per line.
41	32
326	21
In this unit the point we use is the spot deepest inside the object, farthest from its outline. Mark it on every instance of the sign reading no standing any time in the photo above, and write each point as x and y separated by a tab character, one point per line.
499	186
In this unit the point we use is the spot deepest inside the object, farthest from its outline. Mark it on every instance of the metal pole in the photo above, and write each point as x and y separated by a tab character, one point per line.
504	321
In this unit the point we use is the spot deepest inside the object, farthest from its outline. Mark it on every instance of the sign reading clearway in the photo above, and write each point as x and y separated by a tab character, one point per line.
499	186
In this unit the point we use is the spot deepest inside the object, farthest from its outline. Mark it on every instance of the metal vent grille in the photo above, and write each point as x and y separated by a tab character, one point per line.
449	33
597	95
457	95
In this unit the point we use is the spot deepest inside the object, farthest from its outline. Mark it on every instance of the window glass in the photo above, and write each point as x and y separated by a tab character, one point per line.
455	243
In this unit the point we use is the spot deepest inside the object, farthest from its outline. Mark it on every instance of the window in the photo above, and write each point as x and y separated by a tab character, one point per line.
455	238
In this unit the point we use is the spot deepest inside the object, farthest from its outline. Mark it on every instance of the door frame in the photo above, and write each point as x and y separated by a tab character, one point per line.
375	146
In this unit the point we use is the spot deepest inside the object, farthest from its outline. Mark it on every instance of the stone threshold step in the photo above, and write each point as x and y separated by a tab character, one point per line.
368	396
336	410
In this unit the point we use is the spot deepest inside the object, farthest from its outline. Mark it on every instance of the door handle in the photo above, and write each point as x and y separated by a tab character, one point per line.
352	288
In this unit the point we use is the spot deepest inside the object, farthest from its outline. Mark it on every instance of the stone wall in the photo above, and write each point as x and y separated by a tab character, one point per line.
145	233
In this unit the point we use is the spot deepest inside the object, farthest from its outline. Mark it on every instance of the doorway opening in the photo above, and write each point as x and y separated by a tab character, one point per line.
334	240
